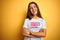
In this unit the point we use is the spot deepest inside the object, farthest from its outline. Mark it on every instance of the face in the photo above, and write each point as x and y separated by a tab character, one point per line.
33	9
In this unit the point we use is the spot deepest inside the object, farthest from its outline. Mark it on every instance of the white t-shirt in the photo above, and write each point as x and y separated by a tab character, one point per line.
34	25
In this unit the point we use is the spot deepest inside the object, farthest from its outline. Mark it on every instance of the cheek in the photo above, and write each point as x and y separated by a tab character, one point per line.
36	9
31	10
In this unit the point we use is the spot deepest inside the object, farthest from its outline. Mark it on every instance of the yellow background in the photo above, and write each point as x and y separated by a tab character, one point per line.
13	13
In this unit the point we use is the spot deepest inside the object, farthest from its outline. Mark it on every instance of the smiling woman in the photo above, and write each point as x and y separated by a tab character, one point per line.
13	13
34	27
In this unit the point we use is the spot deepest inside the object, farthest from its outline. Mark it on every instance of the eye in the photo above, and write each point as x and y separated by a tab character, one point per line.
34	6
30	7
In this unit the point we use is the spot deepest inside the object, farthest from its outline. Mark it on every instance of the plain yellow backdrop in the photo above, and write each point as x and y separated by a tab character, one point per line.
13	14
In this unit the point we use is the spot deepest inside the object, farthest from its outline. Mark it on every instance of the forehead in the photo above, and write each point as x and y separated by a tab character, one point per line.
31	5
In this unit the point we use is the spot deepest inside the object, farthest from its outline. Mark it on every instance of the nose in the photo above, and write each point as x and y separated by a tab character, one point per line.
33	8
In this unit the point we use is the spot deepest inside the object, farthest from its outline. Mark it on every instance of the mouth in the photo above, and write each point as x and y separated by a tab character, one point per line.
34	10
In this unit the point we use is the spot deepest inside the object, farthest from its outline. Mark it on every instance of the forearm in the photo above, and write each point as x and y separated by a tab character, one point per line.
38	34
27	35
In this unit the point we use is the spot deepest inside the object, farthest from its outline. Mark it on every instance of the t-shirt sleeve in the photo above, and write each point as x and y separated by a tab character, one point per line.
25	25
43	24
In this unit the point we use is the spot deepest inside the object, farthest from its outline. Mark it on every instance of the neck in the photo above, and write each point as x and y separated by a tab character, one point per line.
35	16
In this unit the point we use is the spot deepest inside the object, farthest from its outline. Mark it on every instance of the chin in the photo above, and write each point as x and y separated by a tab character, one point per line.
35	13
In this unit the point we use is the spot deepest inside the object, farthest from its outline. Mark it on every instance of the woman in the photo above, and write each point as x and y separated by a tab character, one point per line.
34	27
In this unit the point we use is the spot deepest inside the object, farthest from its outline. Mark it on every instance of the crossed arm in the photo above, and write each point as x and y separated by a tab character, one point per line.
41	33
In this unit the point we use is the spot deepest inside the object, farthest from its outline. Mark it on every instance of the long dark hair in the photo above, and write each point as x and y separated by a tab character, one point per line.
29	14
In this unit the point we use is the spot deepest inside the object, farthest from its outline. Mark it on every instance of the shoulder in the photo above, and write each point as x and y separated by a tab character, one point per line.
42	19
26	19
